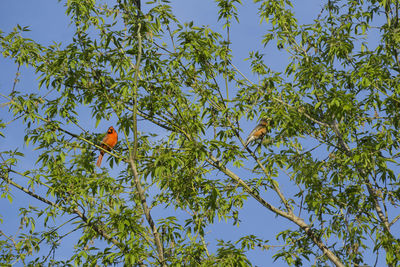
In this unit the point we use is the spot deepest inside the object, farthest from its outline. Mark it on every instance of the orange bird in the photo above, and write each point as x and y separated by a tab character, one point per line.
259	131
108	143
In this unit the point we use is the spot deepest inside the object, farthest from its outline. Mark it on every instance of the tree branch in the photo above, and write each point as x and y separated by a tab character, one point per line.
146	211
76	211
364	175
288	215
133	155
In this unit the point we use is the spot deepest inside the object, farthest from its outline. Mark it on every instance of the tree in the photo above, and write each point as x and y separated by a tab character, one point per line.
333	143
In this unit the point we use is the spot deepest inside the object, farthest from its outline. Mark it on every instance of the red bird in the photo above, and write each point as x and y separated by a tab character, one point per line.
108	143
259	131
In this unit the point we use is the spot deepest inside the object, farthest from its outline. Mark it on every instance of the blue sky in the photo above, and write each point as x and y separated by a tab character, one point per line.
48	23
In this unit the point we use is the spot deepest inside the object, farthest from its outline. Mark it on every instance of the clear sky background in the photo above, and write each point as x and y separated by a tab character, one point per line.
48	24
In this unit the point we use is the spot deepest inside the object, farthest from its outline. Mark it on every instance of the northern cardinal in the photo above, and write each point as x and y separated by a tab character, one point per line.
259	131
108	143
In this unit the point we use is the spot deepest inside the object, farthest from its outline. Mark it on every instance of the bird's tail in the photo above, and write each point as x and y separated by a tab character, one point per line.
248	140
98	163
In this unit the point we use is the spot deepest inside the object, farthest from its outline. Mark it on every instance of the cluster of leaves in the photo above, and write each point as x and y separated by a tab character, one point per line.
337	95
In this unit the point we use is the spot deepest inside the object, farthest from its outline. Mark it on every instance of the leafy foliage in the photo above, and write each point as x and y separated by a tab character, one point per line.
178	101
